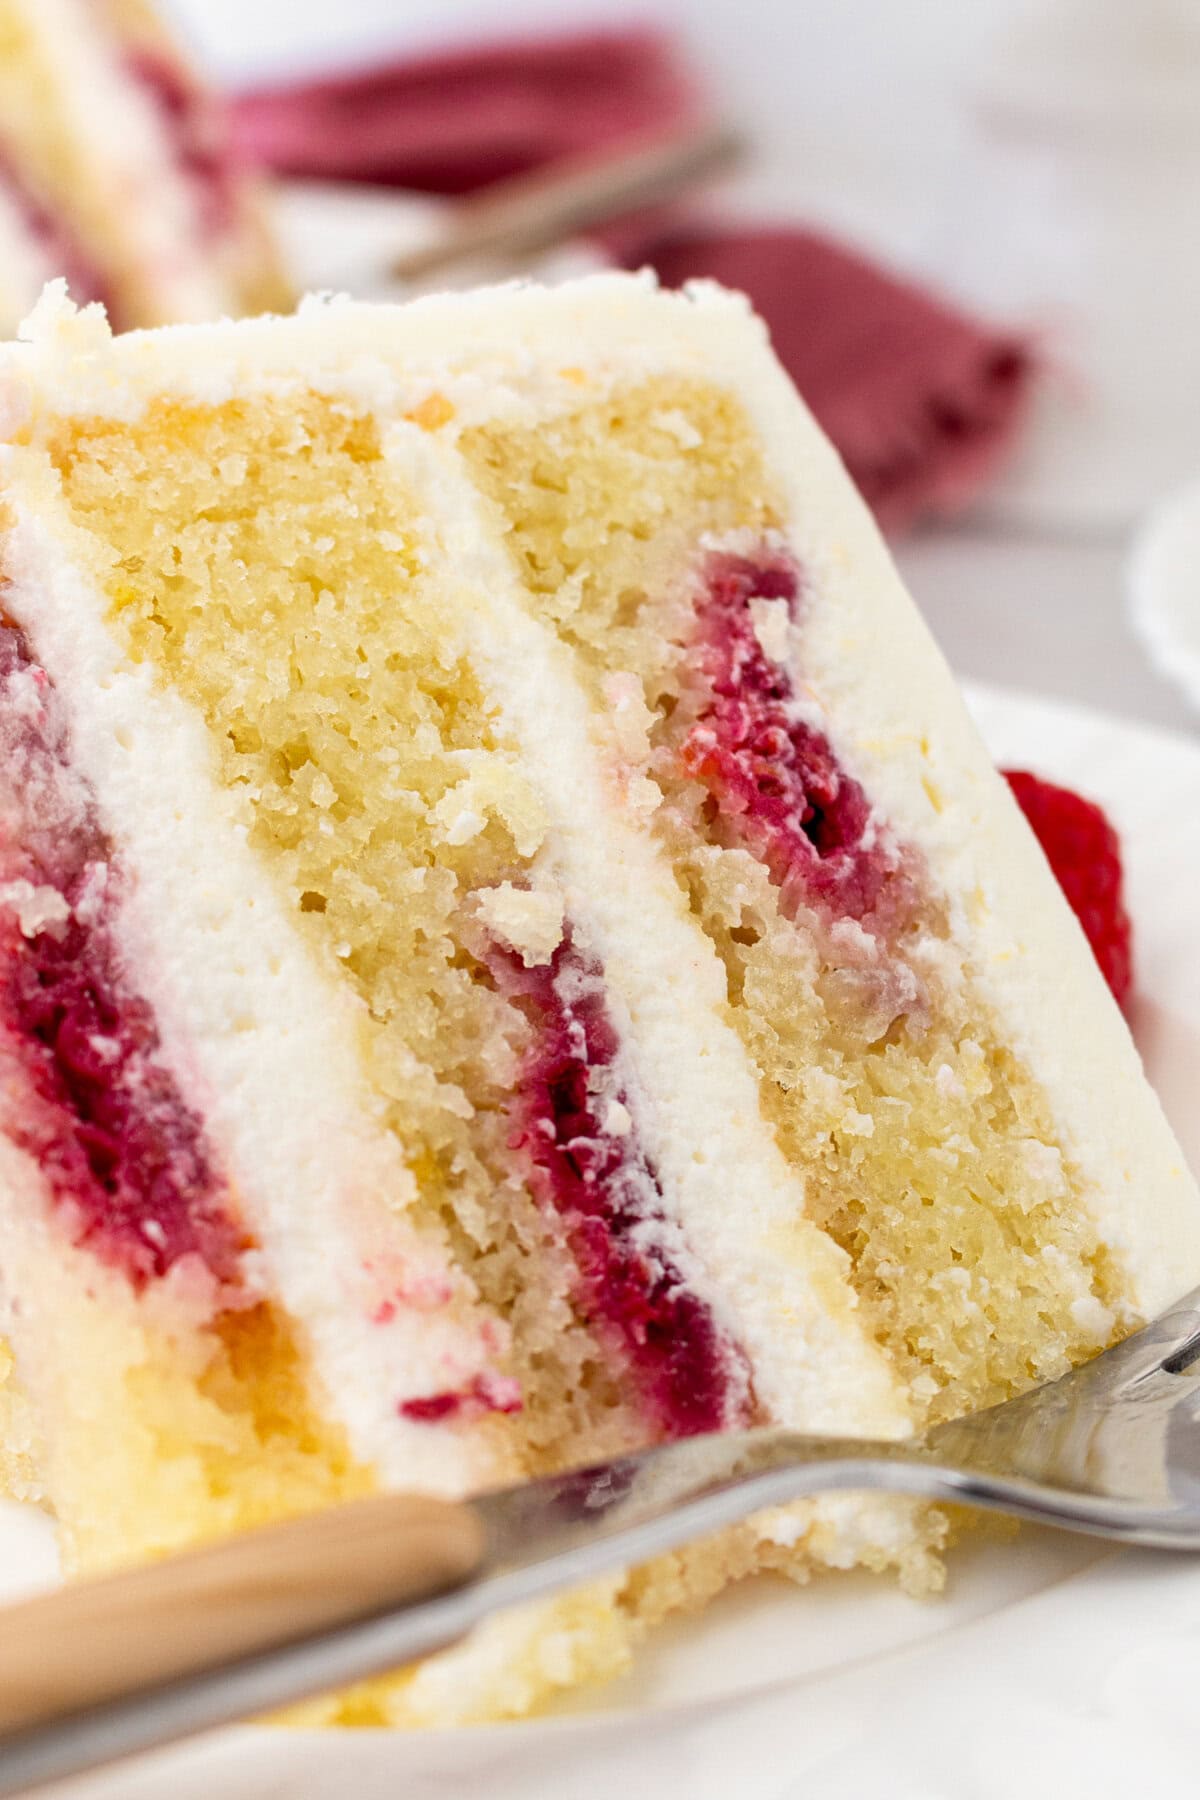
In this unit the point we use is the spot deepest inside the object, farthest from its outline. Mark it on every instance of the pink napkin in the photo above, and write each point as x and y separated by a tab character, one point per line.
452	122
921	399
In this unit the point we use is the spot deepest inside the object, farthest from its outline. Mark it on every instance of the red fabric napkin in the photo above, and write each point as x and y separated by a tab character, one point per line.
920	399
452	122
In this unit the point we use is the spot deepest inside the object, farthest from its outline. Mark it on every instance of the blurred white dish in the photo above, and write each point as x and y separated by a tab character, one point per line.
1050	1668
1164	588
341	238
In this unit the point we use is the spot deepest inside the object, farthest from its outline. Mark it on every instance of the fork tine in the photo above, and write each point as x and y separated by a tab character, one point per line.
1170	1342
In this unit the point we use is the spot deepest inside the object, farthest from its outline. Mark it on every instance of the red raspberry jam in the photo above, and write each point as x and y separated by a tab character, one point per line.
88	1094
486	1393
65	256
775	786
575	1132
434	1409
200	142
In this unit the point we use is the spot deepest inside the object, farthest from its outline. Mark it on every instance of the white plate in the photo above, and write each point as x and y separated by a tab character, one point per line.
1050	1668
1164	588
340	237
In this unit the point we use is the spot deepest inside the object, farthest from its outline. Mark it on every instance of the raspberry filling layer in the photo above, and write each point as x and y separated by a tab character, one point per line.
54	239
575	1132
85	1089
485	1394
774	784
195	129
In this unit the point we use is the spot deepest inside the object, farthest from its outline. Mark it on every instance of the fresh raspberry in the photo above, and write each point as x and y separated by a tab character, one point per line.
1085	854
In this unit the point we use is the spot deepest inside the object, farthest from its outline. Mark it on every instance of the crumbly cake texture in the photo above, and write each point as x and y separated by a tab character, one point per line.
117	172
513	950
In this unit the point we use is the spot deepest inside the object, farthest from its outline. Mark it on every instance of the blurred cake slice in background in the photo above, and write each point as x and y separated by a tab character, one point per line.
116	171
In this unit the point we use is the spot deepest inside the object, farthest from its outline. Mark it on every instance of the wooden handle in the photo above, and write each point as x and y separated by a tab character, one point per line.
533	212
110	1639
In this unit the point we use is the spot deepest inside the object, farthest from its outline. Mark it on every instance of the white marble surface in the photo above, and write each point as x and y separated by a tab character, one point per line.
1042	612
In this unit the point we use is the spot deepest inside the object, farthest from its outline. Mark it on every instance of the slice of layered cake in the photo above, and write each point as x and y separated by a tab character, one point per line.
117	171
512	949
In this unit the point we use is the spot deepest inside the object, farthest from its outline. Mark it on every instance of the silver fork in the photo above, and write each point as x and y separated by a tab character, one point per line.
1112	1449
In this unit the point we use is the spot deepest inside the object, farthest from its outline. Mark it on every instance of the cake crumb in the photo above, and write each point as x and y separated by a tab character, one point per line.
528	920
431	413
771	620
38	909
630	719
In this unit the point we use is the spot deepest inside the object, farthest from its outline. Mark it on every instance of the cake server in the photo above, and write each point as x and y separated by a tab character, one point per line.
527	214
104	1669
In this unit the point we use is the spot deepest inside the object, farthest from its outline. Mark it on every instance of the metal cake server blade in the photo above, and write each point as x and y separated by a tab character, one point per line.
1112	1449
